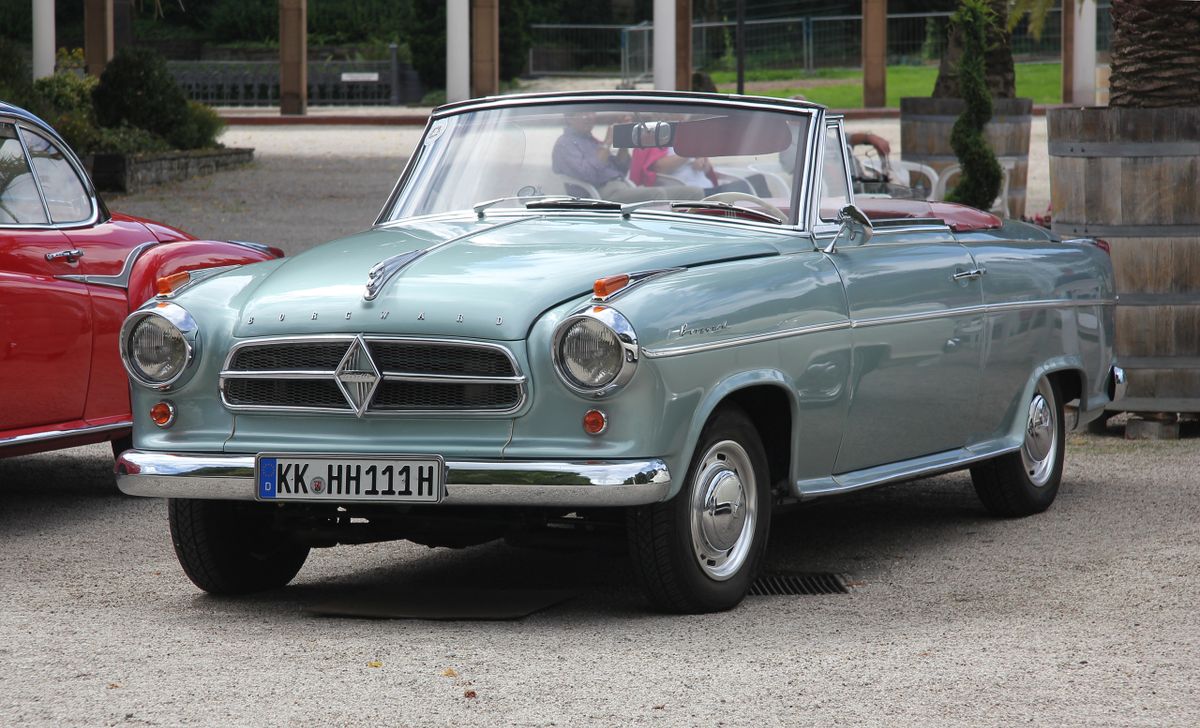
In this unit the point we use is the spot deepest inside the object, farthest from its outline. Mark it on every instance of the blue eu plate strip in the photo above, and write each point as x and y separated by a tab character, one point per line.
266	478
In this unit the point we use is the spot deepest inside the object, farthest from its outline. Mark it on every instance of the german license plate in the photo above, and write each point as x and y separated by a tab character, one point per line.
338	478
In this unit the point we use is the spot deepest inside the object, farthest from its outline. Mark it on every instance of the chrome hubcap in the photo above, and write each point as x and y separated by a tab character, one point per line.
723	510
1040	447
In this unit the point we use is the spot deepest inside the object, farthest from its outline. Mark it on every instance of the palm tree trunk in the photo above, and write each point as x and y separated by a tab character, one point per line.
1001	78
1155	53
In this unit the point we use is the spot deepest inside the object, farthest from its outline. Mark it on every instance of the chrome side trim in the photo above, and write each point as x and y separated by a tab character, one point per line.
923	316
120	280
385	270
59	434
876	321
871	477
743	340
468	482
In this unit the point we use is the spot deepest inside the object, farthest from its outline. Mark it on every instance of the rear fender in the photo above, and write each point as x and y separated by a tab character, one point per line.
187	255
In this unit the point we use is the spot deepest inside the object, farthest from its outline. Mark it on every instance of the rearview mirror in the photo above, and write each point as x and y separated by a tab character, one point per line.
643	135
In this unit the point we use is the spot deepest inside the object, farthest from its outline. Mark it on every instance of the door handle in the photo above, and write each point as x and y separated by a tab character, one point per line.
963	275
68	255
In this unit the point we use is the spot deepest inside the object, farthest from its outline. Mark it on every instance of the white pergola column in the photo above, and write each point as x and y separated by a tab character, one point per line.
43	38
664	45
458	50
1083	81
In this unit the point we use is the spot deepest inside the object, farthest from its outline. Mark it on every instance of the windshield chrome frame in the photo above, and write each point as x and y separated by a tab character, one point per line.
802	194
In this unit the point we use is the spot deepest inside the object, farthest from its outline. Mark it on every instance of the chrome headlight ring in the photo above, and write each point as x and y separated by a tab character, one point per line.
178	318
626	339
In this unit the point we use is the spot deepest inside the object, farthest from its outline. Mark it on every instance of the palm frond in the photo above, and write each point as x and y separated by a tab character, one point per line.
1036	10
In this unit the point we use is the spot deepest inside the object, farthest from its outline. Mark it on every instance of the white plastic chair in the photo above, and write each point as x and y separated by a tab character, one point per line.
903	173
576	187
999	206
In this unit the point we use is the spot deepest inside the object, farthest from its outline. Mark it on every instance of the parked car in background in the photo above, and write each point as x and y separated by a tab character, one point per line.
502	353
70	272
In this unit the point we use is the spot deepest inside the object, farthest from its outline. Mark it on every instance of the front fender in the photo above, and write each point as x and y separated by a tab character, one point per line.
186	255
713	399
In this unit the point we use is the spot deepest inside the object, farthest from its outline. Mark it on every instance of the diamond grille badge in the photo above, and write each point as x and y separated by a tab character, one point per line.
357	376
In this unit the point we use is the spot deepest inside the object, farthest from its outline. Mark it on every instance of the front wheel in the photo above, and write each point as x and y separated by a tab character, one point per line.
229	547
1026	482
699	551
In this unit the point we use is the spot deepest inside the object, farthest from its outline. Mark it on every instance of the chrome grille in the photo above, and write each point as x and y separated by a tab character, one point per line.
410	376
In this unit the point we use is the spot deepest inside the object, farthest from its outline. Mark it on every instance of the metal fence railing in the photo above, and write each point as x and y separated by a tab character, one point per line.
256	83
799	42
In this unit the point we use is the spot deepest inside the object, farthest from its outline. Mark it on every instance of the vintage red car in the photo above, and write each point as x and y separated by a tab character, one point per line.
70	272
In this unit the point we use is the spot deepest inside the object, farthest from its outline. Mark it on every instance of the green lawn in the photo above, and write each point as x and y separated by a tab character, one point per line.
1039	81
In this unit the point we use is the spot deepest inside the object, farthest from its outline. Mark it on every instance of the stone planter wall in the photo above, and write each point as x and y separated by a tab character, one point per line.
135	172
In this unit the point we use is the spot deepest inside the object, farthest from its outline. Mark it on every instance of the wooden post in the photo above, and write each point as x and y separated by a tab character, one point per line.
97	35
485	48
43	38
874	52
1068	51
683	45
293	57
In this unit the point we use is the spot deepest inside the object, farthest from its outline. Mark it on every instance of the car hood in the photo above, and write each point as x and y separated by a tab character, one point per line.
480	279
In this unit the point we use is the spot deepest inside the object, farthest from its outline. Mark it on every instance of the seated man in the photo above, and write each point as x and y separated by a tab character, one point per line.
580	155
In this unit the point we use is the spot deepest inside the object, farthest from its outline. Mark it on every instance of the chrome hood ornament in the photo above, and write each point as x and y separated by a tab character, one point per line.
385	270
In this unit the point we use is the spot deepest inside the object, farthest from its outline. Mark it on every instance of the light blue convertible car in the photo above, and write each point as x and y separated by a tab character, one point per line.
666	313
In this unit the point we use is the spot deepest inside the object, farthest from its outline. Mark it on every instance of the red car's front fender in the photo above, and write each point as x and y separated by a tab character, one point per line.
186	255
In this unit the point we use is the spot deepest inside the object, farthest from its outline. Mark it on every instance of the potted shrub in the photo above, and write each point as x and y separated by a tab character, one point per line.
926	122
1130	174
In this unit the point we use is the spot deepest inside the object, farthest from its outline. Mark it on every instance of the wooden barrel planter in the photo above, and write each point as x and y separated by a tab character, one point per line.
1132	177
925	125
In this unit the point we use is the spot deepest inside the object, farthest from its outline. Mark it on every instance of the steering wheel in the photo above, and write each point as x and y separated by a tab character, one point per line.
732	197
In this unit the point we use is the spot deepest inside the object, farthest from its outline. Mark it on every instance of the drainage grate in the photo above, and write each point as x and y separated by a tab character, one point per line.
787	585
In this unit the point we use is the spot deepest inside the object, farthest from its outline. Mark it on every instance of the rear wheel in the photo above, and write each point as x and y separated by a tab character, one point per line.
229	547
1026	482
699	551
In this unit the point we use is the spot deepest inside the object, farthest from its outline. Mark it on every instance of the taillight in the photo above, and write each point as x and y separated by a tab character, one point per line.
1103	245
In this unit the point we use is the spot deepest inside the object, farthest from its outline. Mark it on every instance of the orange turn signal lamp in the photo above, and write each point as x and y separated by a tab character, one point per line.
595	422
163	414
605	287
167	285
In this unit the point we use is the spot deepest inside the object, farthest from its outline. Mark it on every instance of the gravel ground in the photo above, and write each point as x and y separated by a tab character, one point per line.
1084	615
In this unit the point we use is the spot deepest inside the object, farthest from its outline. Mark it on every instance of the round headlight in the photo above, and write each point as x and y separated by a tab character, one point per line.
595	351
158	344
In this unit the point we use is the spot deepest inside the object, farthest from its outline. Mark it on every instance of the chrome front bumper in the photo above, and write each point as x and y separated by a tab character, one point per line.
494	483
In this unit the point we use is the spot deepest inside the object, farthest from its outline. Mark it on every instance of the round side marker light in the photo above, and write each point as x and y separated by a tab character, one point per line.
163	414
595	422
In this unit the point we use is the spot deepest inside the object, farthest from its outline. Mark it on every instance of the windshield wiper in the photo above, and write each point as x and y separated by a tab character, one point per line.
726	206
480	207
579	203
630	208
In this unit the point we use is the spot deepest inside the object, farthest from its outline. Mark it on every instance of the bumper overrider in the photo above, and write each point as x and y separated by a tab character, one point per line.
584	483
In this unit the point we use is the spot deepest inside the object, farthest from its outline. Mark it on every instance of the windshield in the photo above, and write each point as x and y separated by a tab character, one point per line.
619	152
